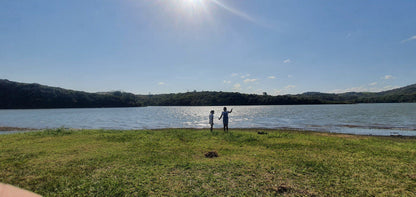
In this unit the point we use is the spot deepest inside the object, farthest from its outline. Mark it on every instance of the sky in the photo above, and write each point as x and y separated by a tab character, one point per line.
172	46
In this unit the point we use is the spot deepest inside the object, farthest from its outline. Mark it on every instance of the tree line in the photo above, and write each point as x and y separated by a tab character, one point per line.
14	95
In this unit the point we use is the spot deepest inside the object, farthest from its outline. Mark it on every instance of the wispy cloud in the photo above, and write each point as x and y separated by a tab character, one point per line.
227	82
385	88
271	77
234	74
364	88
388	77
237	87
377	86
285	89
249	80
409	39
161	83
290	87
353	89
286	61
244	76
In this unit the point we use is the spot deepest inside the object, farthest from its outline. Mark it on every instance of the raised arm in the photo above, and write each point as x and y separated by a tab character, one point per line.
231	110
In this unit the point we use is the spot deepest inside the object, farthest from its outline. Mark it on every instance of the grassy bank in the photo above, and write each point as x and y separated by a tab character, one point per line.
172	162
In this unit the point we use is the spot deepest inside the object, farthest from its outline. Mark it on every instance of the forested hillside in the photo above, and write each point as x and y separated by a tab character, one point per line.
405	94
14	95
223	98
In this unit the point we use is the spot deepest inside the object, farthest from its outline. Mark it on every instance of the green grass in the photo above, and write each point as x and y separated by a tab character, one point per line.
171	162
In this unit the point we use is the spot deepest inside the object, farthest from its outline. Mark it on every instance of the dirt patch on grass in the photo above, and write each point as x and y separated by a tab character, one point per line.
284	189
211	154
412	176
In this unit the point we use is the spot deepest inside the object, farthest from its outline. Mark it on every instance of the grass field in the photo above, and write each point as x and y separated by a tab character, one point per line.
64	162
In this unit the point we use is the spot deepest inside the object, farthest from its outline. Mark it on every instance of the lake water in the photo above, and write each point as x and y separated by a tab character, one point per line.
366	119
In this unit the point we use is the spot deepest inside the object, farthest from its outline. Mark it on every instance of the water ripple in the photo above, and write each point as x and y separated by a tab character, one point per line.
368	119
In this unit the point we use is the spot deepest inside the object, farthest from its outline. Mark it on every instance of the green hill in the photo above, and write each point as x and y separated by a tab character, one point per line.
405	94
223	98
15	95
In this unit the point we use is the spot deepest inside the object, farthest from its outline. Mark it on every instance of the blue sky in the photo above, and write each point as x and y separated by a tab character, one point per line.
171	46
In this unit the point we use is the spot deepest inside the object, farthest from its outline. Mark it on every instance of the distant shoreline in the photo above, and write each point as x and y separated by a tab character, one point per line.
12	130
16	129
36	96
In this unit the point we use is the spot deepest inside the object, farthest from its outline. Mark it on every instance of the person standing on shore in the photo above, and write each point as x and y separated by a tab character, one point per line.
211	119
224	116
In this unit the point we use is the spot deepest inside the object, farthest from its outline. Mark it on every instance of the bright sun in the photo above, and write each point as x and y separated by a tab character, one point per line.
193	9
201	11
193	3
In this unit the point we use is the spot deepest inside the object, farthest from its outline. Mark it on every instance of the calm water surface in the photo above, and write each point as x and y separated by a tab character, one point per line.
367	119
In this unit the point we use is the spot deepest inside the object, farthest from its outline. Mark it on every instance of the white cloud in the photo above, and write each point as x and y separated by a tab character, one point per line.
161	83
271	77
357	89
364	89
237	87
370	87
234	74
286	61
244	76
353	89
249	80
289	76
409	39
290	87
389	88
260	91
387	77
277	92
227	82
284	90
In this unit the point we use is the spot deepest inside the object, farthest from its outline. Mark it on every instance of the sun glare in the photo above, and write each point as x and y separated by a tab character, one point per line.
194	13
192	10
193	1
193	5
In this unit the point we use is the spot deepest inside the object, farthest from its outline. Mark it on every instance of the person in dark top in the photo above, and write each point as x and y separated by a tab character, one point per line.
211	119
224	116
